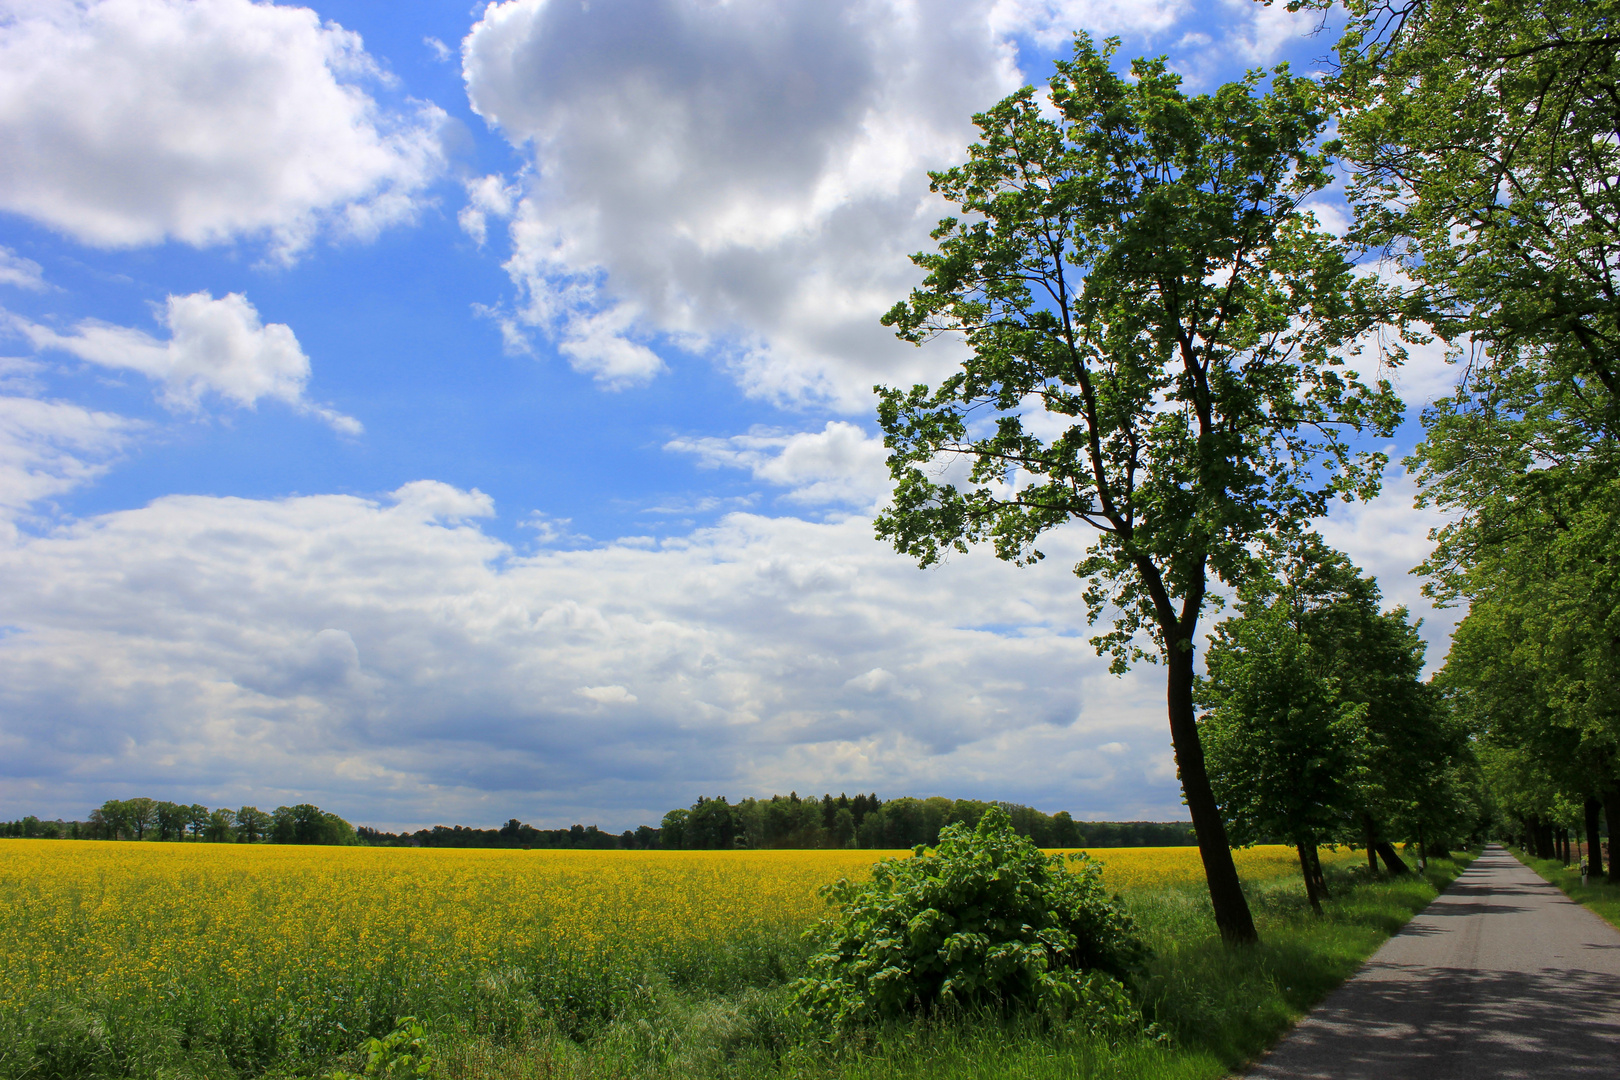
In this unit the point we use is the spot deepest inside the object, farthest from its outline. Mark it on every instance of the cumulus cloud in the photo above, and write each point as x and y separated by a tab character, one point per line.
389	659
217	346
746	181
839	463
129	122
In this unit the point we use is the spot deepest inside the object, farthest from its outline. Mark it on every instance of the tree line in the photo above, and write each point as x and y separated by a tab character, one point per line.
865	821
161	820
781	821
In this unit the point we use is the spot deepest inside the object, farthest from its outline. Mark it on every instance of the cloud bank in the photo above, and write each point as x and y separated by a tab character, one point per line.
388	654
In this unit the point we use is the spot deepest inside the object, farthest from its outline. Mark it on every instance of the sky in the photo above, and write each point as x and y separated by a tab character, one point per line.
444	415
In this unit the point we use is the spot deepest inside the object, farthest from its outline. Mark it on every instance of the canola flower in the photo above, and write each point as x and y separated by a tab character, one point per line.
289	950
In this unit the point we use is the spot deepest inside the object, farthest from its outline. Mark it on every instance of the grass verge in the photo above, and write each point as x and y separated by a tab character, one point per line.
1597	894
1218	1008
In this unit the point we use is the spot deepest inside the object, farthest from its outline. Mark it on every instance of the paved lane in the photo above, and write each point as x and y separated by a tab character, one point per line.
1502	976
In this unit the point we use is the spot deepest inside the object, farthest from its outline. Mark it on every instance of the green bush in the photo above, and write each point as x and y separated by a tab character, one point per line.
402	1054
985	920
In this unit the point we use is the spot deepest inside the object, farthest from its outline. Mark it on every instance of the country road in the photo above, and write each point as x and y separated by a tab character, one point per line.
1502	976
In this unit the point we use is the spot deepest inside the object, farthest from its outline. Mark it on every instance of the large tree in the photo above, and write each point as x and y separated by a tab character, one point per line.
1156	334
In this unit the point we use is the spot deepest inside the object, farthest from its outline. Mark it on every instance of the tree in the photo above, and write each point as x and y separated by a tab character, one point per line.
1484	137
139	815
220	827
1139	269
252	824
672	831
197	819
1284	747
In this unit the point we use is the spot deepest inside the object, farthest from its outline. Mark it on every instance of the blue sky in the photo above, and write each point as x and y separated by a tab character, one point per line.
447	415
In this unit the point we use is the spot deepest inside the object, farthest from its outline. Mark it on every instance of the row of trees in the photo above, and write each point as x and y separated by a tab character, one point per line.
1509	201
1142	267
782	821
158	819
1319	727
865	821
514	834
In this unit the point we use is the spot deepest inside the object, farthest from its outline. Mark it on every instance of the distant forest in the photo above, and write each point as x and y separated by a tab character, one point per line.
782	821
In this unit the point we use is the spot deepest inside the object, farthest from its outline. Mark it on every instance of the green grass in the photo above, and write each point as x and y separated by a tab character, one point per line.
1218	1008
1597	893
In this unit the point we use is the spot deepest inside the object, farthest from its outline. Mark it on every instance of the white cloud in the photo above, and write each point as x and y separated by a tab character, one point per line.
747	181
19	272
1387	538
487	197
839	463
607	695
50	447
1053	22
388	659
129	122
441	52
214	345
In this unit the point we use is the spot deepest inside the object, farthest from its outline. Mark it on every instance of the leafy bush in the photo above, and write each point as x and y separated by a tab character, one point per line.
983	920
402	1054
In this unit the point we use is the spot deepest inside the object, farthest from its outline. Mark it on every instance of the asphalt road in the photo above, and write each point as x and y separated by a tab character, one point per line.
1502	976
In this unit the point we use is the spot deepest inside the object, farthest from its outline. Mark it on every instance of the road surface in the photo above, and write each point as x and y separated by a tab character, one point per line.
1502	976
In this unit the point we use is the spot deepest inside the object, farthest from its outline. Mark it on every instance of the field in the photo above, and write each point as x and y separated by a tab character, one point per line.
224	960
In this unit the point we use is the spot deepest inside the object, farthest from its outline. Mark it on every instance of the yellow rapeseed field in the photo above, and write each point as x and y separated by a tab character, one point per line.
320	931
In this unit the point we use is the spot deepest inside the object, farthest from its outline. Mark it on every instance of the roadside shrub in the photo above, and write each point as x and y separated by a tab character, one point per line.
985	920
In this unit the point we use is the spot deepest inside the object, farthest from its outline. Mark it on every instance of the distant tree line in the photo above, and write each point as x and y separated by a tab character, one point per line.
514	834
865	821
781	821
158	819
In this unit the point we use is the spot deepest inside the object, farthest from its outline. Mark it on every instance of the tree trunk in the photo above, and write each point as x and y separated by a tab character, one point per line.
1594	843
1309	874
1392	861
1225	890
1611	814
1372	842
1321	879
1532	826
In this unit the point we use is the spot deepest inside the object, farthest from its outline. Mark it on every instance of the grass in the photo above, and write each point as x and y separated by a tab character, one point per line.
713	1008
1219	1008
1602	897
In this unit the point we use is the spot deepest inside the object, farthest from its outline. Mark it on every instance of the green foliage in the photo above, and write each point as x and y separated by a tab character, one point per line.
1319	725
1284	747
985	919
1483	135
1140	268
402	1054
